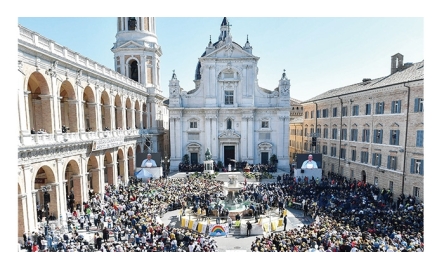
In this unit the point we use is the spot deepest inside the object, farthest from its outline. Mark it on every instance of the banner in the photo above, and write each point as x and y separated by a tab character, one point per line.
106	143
202	228
218	229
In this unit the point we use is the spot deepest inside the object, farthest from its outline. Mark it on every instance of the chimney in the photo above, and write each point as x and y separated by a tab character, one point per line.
397	63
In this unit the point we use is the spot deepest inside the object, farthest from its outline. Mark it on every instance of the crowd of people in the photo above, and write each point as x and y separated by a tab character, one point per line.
348	216
130	215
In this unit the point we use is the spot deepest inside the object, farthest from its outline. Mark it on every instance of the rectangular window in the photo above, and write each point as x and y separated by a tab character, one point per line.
193	136
264	136
416	192
229	97
390	187
344	111
419	106
193	124
324	149
265	124
353	153
355	110
368	109
376	160
417	166
325	133
306	115
311	114
311	131
379	108
318	132
324	113
333	151
344	134
396	106
334	133
366	135
420	138
391	163
343	152
394	137
364	157
318	113
305	132
335	112
354	135
377	136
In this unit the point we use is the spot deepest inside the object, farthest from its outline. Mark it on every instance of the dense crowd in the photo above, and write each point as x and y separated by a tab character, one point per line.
131	214
349	216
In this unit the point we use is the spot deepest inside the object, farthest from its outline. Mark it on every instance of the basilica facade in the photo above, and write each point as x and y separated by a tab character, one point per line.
228	112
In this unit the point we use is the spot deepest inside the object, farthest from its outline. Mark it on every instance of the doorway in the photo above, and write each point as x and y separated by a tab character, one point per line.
264	158
229	155
194	158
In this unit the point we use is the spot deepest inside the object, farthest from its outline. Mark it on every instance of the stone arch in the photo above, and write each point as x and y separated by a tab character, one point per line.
73	185
120	164
145	116
68	107
131	161
44	178
108	172
137	114
105	109
129	113
89	110
39	103
118	112
93	174
133	69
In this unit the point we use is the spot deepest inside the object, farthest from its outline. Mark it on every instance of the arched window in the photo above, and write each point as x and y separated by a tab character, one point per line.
132	23
134	71
229	124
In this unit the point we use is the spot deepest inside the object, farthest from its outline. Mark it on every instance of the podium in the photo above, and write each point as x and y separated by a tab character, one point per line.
316	173
146	173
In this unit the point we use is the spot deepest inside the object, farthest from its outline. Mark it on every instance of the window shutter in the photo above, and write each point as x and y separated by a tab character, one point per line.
382	108
412	165
393	107
374	136
399	106
373	159
421	168
397	137
395	162
380	137
416	105
388	162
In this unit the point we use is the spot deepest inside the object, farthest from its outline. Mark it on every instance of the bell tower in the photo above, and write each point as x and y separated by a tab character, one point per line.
136	51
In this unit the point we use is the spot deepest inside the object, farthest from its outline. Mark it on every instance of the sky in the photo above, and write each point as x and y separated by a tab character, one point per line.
317	53
321	44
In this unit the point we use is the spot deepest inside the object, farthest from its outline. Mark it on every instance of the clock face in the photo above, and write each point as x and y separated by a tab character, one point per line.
286	86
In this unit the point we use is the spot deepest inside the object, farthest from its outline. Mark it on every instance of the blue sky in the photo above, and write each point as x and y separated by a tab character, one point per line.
318	54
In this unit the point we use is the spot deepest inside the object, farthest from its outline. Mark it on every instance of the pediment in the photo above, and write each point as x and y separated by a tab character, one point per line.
130	45
229	50
229	134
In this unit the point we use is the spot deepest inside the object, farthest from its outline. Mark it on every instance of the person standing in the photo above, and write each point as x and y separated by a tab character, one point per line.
249	227
285	223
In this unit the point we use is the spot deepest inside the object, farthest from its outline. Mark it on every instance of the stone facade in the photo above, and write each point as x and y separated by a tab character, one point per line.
80	127
228	112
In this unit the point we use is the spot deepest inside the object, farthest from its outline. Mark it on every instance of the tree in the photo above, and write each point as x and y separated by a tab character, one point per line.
273	159
186	159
